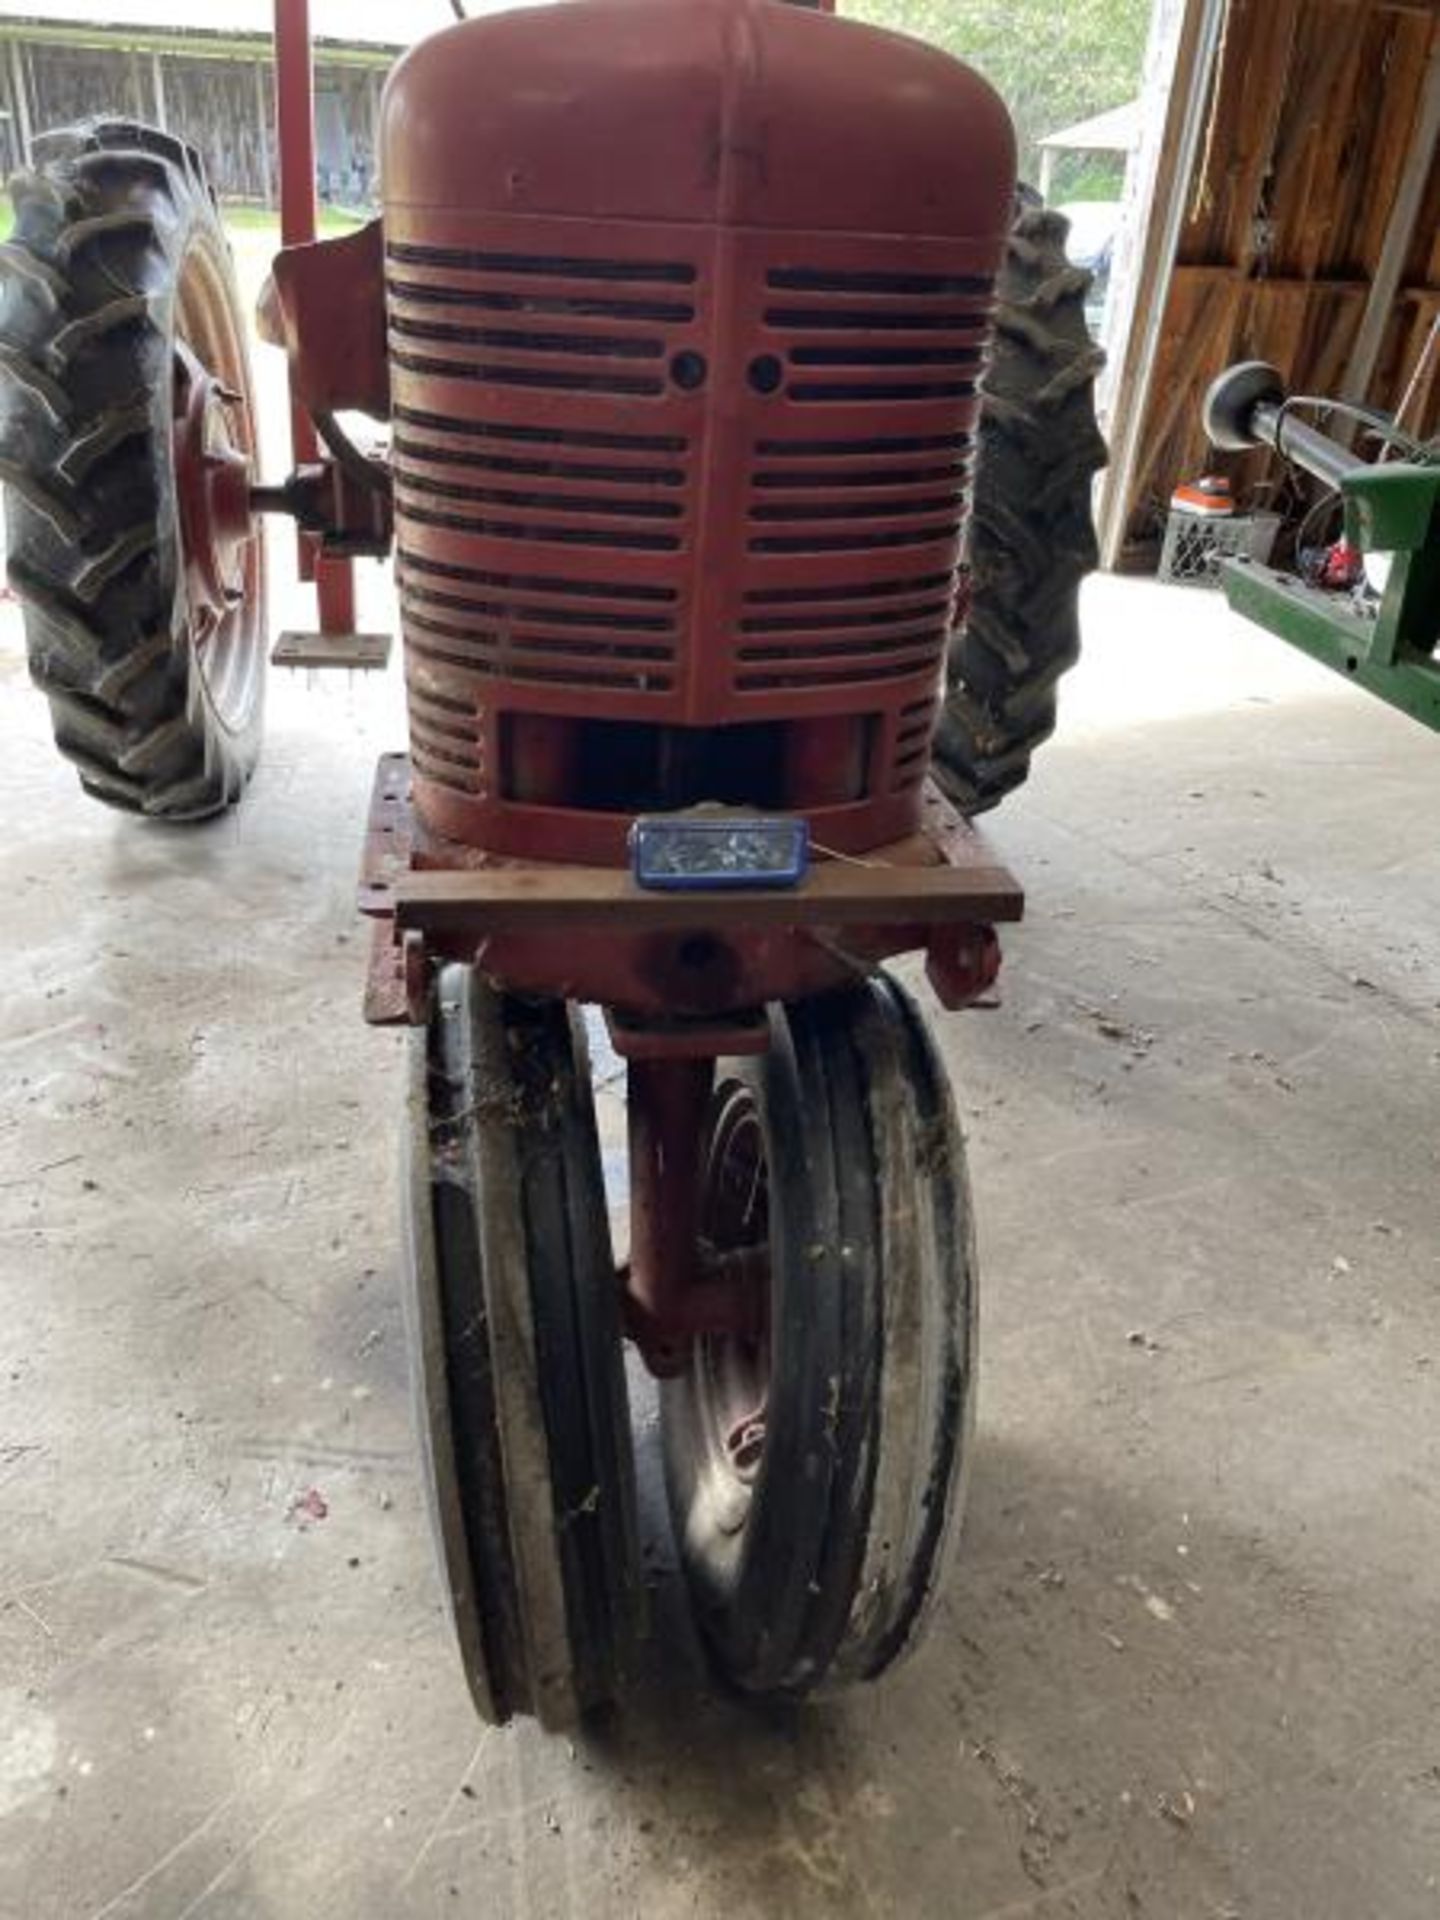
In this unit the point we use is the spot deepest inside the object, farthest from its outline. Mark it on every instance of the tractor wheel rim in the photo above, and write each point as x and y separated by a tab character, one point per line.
215	451
732	1372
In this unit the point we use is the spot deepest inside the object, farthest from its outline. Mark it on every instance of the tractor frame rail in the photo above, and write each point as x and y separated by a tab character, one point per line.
678	973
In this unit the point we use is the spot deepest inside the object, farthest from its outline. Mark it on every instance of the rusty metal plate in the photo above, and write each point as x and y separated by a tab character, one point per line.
359	652
389	836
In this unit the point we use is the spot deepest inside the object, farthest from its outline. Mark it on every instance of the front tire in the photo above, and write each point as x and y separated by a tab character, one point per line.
816	1475
515	1346
117	279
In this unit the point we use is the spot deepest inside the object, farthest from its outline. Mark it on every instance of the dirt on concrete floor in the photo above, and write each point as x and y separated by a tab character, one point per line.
1185	1668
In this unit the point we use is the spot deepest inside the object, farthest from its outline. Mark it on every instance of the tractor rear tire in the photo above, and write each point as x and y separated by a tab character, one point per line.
1032	531
117	259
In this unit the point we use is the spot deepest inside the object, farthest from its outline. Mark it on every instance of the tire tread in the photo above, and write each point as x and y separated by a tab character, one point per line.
1032	537
86	296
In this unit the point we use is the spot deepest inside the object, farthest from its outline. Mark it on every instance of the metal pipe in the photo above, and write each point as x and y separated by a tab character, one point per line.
295	115
666	1115
1316	452
295	127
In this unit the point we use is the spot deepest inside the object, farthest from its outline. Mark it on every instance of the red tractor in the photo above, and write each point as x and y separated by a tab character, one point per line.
679	313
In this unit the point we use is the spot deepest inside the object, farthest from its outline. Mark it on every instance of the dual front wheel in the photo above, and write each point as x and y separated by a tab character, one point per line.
814	1470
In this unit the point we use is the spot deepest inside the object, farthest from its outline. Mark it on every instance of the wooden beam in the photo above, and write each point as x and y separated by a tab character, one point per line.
262	116
1309	131
1179	148
1266	68
1208	347
1415	402
491	900
1399	235
1197	273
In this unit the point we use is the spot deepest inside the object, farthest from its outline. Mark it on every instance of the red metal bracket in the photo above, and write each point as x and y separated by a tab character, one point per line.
687	1039
324	303
685	971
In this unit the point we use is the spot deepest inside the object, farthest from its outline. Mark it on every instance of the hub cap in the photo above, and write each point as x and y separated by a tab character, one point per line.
733	1371
214	442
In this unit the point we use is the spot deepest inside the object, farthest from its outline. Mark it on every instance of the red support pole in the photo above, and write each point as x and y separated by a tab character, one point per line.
295	121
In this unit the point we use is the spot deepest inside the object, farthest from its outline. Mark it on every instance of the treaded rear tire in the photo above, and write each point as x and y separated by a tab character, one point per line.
1032	532
90	287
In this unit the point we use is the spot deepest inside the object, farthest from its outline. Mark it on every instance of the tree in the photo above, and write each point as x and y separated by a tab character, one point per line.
1054	61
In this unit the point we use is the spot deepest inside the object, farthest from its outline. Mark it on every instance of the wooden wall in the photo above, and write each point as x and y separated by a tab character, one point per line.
215	104
72	85
224	106
1314	111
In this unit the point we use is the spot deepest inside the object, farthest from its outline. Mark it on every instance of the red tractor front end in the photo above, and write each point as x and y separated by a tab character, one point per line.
688	307
678	313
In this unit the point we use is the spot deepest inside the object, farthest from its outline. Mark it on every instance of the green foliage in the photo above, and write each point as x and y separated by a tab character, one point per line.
1088	176
243	217
1055	61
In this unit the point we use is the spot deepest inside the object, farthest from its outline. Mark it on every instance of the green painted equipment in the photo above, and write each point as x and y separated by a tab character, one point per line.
1386	638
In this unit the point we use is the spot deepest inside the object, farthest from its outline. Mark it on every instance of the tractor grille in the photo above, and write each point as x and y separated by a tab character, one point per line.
532	325
893	358
721	489
542	523
543	487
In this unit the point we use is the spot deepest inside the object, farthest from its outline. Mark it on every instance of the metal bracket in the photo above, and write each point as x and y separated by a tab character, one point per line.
394	995
592	933
687	1039
1388	509
361	652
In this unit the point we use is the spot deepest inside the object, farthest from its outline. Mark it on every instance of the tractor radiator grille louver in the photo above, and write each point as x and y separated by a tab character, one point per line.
912	743
812	497
538	630
444	737
531	322
889	338
542	528
884	630
540	486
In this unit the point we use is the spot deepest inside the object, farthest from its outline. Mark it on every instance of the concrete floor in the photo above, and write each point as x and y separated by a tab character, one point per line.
1186	1667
